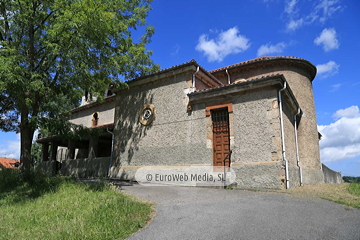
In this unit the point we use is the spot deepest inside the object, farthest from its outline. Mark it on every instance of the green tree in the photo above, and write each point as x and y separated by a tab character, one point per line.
53	50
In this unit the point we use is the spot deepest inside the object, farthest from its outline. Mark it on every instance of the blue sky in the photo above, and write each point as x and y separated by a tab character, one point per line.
218	33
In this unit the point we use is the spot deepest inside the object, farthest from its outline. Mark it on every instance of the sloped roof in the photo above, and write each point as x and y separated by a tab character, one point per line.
9	162
58	138
93	104
191	62
279	74
262	59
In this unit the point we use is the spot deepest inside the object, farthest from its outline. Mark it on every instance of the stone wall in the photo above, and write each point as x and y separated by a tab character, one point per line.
290	143
80	168
87	167
105	111
181	137
330	176
175	137
254	136
253	126
300	81
47	167
299	75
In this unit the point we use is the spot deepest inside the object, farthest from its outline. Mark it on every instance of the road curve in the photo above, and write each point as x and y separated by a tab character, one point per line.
203	213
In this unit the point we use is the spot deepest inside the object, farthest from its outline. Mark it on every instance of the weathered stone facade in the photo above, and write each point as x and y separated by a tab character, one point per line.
165	119
251	90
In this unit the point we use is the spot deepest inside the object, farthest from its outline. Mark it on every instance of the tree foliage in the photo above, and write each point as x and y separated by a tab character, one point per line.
53	50
349	179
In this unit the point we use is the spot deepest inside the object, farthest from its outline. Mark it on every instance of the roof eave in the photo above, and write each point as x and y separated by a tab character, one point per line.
277	79
190	66
265	60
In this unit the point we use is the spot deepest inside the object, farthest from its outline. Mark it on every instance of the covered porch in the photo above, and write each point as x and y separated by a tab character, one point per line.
58	152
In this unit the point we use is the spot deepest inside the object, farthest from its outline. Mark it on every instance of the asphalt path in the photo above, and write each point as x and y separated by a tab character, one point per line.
203	213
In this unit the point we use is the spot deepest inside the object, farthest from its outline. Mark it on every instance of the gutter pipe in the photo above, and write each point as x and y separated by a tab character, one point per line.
283	137
112	147
193	79
228	76
297	146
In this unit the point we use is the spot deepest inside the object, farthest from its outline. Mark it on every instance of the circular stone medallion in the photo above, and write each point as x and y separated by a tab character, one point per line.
147	114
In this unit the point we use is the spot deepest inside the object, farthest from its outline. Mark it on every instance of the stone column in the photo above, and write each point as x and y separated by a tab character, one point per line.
71	150
53	151
93	147
44	152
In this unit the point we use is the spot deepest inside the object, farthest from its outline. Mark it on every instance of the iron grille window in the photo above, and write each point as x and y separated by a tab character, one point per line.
220	118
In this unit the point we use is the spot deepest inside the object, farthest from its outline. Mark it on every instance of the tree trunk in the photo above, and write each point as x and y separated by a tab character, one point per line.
26	136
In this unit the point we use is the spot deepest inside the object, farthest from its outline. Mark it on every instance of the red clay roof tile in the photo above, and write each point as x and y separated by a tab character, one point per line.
259	59
9	162
247	80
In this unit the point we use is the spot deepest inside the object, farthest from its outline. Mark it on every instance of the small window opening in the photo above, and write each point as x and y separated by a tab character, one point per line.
95	119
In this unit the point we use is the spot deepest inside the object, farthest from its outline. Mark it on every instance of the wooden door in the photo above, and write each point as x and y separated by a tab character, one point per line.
221	137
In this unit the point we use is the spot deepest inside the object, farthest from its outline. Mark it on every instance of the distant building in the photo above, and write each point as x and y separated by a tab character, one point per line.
262	110
9	163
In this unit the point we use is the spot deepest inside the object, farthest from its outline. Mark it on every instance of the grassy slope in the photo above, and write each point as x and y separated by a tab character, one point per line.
354	189
56	208
345	193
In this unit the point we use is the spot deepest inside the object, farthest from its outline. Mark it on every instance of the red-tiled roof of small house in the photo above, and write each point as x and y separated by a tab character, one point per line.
9	163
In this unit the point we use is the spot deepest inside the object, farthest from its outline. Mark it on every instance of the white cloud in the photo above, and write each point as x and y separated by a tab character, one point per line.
341	139
176	49
290	7
335	87
328	39
333	154
214	30
294	24
350	112
292	14
228	42
327	69
328	8
270	49
321	12
11	149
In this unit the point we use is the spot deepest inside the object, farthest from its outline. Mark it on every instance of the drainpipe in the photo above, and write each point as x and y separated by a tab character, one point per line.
297	146
112	147
283	137
228	76
193	79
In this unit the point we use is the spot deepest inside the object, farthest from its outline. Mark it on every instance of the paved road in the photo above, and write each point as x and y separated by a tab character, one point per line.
202	213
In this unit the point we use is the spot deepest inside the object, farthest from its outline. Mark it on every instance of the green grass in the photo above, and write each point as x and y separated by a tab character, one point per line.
344	193
34	206
354	188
